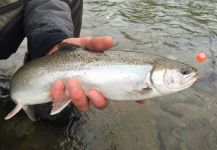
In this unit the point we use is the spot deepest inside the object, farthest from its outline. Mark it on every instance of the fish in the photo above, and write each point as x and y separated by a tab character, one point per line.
118	75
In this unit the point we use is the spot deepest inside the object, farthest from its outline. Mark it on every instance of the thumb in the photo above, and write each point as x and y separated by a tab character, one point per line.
99	44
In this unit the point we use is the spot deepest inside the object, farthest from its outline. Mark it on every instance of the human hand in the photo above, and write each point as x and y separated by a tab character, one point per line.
75	92
96	44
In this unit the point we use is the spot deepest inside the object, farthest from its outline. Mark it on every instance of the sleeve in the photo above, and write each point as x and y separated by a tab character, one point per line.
48	22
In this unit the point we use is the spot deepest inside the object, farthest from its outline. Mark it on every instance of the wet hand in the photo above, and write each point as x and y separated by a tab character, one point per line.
96	44
73	88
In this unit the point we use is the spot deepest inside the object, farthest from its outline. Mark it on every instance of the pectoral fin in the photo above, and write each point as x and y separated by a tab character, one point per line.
142	101
59	106
14	111
144	89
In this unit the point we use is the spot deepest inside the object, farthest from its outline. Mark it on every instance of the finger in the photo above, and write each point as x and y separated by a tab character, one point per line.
74	41
57	91
81	41
77	95
141	101
53	50
97	99
99	44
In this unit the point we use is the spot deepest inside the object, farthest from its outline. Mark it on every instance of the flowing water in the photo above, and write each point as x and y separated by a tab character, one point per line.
187	120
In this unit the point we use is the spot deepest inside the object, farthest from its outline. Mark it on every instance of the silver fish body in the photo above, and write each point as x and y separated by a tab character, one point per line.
118	75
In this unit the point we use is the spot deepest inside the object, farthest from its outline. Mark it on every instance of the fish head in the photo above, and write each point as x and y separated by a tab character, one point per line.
172	76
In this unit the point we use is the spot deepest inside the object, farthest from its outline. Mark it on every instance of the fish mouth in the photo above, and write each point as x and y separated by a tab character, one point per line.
190	79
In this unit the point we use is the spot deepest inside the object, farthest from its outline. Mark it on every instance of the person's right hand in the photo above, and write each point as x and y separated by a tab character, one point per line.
75	92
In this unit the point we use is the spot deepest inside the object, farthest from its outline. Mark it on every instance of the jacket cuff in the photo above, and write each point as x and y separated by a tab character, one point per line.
43	44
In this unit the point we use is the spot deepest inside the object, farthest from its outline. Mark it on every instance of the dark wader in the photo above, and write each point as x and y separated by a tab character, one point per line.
11	30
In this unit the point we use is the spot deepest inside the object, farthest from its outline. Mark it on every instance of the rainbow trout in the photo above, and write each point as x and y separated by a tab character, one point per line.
118	75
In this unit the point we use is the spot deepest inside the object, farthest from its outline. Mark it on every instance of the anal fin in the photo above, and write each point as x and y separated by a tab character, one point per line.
59	106
29	113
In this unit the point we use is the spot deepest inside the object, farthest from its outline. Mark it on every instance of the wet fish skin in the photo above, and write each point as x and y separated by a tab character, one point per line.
118	75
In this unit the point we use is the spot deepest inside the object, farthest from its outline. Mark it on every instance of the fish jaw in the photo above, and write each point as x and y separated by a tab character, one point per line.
190	79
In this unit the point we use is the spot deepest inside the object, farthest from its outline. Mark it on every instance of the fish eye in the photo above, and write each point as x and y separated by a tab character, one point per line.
185	71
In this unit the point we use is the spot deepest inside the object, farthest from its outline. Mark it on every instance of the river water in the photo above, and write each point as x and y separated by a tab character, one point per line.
187	120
